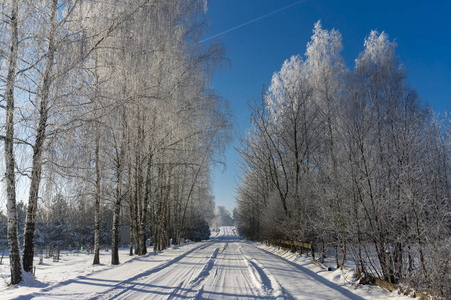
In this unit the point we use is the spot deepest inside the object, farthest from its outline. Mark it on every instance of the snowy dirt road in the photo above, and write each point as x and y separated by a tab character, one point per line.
225	267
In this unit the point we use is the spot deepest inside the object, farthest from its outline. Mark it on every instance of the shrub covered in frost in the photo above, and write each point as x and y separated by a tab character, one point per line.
200	230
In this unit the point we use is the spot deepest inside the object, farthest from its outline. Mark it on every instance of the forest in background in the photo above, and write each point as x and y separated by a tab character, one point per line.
107	118
352	161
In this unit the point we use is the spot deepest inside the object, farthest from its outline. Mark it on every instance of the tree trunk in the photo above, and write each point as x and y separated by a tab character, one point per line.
336	256
143	220
96	260
132	239
120	153
135	224
10	175
131	206
343	260
28	252
116	217
139	188
182	222
97	204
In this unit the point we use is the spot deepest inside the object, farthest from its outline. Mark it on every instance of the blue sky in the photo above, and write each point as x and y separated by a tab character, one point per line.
256	50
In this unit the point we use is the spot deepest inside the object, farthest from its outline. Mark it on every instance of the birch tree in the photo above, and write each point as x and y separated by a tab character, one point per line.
8	97
373	171
115	105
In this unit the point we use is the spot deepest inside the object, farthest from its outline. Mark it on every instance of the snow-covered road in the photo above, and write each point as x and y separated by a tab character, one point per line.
225	267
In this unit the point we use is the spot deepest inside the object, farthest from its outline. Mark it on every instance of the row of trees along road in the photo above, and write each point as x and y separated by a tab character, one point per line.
352	160
108	102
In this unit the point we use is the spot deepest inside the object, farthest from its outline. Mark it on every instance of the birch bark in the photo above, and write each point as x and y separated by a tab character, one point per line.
13	244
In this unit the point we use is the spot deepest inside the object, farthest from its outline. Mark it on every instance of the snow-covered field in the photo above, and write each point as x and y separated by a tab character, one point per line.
225	267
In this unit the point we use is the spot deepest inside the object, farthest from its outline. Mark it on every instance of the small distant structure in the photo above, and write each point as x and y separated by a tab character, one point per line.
124	235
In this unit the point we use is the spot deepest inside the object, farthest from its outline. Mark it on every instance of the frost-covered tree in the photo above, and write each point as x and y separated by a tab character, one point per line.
351	160
326	72
115	114
11	39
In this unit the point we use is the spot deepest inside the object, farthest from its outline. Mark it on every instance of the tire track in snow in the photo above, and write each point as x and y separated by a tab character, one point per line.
224	248
124	286
231	278
206	269
176	289
293	274
265	282
197	284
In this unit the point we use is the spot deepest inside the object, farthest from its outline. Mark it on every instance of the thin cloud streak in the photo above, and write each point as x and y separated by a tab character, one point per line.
253	21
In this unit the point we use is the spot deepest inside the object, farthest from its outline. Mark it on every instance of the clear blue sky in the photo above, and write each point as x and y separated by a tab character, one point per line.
422	30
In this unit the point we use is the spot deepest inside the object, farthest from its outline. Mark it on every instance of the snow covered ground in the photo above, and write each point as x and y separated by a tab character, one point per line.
225	267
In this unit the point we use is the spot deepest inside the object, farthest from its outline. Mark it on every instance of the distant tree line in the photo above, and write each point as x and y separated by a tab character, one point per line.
352	160
222	218
108	118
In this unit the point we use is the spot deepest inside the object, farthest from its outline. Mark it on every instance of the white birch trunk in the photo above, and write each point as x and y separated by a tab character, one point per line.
39	144
13	243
